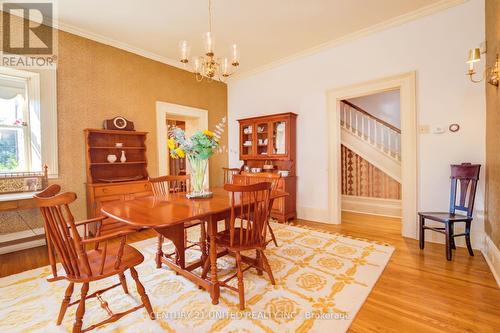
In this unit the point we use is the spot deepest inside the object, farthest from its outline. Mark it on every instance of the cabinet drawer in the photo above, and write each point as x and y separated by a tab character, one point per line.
278	206
121	189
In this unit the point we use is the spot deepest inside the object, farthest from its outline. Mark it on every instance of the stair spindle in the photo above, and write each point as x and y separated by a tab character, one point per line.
350	119
363	126
369	130
389	146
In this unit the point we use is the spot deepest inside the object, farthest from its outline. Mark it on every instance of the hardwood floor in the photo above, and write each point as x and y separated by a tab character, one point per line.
419	291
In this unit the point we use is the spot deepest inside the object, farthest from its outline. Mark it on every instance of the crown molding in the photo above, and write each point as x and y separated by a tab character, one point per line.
399	20
419	13
116	43
55	23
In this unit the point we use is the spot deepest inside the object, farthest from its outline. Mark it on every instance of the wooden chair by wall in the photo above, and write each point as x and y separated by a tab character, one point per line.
273	179
247	231
467	175
103	226
229	173
174	184
82	265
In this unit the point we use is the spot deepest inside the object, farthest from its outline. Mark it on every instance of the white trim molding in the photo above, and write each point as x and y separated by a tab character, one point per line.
387	164
406	85
491	254
393	22
312	214
372	206
118	44
43	103
20	235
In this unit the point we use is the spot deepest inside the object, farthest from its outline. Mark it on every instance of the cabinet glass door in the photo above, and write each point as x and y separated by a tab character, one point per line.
262	139
246	139
279	138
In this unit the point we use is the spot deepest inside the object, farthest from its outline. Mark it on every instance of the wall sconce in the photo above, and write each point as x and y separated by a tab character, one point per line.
491	74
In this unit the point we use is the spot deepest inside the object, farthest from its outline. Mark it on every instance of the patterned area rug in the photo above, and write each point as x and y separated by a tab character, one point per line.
322	281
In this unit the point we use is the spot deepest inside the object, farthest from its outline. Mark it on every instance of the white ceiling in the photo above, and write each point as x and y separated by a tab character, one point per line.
385	106
265	30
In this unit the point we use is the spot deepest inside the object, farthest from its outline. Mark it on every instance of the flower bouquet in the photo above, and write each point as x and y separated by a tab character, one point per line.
197	149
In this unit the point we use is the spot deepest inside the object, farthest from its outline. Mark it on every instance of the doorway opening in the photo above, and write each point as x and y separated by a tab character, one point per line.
370	147
402	149
176	166
187	118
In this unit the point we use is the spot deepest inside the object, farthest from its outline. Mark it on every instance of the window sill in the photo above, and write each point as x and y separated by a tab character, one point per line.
16	196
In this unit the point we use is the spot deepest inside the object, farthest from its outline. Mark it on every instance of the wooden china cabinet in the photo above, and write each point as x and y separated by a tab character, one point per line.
108	181
270	140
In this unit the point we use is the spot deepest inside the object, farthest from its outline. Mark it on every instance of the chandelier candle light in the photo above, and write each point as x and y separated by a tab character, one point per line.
208	65
197	149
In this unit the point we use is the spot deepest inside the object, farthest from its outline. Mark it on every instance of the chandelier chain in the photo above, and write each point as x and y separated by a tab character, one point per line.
210	15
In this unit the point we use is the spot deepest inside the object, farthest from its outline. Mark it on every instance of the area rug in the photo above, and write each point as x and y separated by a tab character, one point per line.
322	280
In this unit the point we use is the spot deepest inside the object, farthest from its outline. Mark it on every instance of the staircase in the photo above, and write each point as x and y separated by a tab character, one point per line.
371	162
372	130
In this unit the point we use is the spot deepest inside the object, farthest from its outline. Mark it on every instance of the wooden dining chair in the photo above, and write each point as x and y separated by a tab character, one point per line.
174	184
247	231
466	175
83	263
273	179
102	226
229	173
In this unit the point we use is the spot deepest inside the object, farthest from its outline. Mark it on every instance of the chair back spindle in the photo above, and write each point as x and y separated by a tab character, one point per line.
272	178
249	207
63	234
169	184
64	237
229	173
464	179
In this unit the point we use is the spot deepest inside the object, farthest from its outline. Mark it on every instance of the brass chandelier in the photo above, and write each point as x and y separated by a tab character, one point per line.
208	65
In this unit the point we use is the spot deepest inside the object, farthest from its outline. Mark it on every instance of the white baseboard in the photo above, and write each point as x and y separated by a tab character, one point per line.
19	236
372	206
314	214
22	246
492	255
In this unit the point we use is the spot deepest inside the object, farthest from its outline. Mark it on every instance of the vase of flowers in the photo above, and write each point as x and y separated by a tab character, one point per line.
197	149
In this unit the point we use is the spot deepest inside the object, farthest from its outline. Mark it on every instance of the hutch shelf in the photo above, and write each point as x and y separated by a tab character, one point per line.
119	180
270	140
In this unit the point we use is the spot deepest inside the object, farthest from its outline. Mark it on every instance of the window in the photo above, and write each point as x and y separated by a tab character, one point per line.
19	149
28	121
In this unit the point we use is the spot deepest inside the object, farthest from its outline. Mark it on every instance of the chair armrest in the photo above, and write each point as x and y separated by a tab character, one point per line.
118	234
93	220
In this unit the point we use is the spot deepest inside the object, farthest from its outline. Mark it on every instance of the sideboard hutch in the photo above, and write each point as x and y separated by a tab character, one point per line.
270	140
119	180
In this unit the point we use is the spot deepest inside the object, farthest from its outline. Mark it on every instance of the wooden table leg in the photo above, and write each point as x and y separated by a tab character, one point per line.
215	289
175	233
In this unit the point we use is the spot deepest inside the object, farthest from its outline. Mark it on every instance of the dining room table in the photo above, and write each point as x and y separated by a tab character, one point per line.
166	214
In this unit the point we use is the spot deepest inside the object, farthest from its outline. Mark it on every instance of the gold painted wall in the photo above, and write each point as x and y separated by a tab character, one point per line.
492	226
96	82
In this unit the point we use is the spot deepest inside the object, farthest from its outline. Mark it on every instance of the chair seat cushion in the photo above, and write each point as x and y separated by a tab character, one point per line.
444	217
130	258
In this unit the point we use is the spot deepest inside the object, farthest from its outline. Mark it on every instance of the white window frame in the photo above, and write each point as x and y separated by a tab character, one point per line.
42	99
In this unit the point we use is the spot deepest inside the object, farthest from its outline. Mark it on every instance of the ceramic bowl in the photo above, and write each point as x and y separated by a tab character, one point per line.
111	158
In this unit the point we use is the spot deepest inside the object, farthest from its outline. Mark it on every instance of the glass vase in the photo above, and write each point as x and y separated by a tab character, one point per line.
197	173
